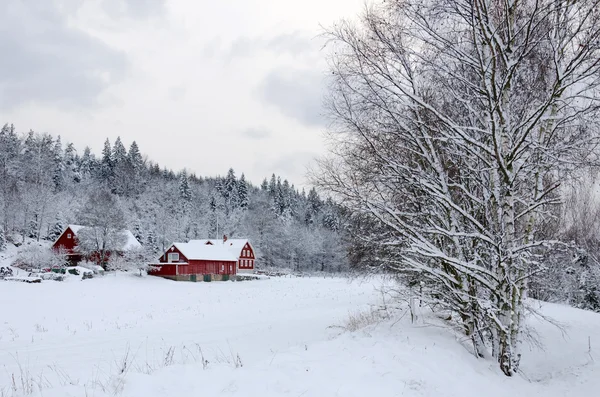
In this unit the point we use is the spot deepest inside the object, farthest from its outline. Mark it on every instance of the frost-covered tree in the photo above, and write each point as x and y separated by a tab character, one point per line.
86	163
106	164
242	190
185	193
453	124
2	240
59	166
104	221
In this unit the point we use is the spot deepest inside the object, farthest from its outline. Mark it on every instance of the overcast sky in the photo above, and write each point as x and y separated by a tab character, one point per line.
202	85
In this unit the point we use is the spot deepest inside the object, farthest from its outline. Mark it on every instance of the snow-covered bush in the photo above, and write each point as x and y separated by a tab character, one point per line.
135	260
39	257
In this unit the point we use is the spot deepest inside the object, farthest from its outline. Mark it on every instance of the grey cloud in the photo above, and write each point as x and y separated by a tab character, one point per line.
256	133
296	43
177	93
296	93
43	59
292	166
135	8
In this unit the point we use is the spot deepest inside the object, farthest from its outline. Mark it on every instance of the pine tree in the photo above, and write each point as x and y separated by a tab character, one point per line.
230	193
106	165
59	167
57	229
184	187
313	206
273	186
70	162
85	166
242	189
119	154
264	185
135	158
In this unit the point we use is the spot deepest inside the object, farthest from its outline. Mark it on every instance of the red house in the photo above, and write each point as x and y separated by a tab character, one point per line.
193	262
67	243
240	248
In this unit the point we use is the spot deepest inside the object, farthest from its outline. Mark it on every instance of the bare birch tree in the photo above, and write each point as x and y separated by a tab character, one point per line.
453	122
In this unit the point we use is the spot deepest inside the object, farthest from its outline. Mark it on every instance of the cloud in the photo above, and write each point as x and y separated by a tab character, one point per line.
256	133
296	93
135	8
296	44
46	60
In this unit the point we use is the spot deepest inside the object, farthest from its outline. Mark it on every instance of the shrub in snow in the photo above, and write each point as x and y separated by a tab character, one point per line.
135	260
39	257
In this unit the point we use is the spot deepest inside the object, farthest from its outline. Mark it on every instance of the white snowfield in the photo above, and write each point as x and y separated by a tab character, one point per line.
145	337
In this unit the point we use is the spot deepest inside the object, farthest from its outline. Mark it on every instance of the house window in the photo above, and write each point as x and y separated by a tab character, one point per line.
173	256
222	268
68	235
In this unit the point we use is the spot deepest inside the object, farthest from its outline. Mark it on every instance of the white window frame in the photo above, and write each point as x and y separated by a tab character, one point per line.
171	257
68	235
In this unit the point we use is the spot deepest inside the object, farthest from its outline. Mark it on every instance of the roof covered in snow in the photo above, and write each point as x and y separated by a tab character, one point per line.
195	251
234	245
131	244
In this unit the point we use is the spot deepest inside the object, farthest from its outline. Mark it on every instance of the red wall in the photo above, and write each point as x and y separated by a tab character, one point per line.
165	256
65	243
167	270
196	267
210	267
246	261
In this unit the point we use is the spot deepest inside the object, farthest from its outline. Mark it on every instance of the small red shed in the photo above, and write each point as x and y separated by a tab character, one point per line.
67	243
191	262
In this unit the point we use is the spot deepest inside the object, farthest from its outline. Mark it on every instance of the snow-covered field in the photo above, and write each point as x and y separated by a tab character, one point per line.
146	337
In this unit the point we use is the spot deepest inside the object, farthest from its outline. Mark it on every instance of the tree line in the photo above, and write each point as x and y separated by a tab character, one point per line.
46	185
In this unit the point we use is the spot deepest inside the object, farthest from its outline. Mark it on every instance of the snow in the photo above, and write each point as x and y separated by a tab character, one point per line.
234	245
276	337
132	242
205	252
75	228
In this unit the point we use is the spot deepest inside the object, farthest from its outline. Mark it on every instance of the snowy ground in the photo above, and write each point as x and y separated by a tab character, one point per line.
145	337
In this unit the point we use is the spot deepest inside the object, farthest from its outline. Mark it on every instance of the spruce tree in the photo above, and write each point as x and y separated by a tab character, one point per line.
57	229
59	167
135	158
85	166
119	154
242	189
185	192
106	165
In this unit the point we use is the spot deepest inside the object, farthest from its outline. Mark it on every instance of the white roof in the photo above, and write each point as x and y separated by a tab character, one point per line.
194	251
130	244
235	245
75	228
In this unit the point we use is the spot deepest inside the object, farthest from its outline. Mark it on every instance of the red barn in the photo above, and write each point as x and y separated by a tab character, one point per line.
67	243
192	262
240	248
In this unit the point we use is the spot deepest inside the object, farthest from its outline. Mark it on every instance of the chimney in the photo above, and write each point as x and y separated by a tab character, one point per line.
224	238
